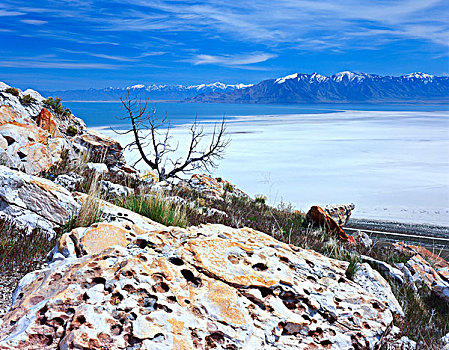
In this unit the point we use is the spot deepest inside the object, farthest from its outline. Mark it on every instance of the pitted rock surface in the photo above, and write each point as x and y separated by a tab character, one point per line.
35	202
204	287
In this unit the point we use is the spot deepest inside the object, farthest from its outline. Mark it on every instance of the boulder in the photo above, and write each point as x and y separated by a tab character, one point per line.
214	188
45	121
100	147
35	202
317	216
28	147
385	268
362	239
374	283
122	286
69	181
340	212
112	190
99	168
435	278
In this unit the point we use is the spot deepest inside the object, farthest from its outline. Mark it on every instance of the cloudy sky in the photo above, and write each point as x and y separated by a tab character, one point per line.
66	44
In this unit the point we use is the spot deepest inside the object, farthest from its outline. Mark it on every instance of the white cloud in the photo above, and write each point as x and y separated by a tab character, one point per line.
35	22
232	60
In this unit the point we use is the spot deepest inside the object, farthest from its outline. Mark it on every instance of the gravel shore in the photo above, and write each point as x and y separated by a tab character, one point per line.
400	227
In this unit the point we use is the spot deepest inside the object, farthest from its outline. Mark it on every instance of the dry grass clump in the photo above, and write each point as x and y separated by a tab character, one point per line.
155	207
90	211
22	250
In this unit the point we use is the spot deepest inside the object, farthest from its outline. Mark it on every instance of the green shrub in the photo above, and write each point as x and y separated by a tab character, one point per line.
27	100
228	187
56	105
155	207
12	91
72	130
259	198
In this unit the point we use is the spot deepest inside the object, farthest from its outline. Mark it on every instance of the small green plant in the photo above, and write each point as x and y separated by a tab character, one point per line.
12	91
155	207
228	187
260	198
72	130
354	261
27	100
56	105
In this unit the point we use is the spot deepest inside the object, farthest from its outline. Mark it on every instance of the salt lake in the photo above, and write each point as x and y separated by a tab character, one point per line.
391	161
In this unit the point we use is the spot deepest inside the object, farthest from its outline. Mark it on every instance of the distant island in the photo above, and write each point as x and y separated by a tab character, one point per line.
343	87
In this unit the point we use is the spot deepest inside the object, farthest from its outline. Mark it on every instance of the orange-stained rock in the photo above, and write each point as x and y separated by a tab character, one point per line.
203	287
213	187
340	213
102	236
437	261
318	216
44	120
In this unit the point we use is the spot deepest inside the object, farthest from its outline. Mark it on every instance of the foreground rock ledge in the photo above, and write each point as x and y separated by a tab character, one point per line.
123	287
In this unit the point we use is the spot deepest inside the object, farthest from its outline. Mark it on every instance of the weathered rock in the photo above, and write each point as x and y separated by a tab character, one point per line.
99	168
385	268
212	187
408	278
317	216
340	212
101	148
437	261
438	283
362	238
69	181
445	342
374	283
32	110
35	202
213	286
396	342
111	190
28	147
45	121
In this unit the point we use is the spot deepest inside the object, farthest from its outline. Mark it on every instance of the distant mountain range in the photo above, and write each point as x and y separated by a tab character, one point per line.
343	87
152	92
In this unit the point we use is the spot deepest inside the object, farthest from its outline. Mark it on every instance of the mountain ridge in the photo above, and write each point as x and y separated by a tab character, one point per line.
296	88
342	87
150	91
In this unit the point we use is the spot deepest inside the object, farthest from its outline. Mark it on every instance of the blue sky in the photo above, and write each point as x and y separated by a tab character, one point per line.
70	44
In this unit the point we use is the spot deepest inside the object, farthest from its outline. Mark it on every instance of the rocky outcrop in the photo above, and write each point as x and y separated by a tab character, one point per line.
428	268
33	136
101	148
317	216
214	188
35	202
117	285
340	213
45	121
376	285
33	110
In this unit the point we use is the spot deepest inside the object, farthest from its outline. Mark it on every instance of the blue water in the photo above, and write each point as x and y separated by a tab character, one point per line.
97	114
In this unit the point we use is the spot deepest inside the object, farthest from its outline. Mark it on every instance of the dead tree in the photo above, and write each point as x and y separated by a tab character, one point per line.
152	140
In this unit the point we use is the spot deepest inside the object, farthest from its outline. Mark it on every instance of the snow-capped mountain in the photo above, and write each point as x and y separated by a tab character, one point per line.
343	87
152	92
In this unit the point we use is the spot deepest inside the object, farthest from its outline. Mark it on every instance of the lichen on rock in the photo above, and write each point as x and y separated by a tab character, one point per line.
117	285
